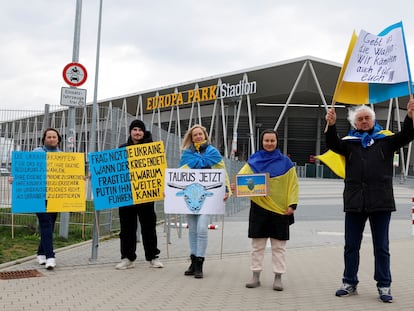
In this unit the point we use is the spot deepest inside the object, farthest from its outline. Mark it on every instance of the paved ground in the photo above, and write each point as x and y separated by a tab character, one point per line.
314	268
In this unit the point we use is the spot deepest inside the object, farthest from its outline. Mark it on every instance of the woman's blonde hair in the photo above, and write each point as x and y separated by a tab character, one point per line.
187	140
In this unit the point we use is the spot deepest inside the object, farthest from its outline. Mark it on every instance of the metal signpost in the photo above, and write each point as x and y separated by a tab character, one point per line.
75	75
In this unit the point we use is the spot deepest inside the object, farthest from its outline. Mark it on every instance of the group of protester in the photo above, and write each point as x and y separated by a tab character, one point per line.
368	153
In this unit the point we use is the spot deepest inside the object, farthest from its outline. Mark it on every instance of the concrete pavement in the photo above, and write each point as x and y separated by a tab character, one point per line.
314	259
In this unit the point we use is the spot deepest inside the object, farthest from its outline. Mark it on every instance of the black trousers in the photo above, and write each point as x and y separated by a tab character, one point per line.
128	216
47	226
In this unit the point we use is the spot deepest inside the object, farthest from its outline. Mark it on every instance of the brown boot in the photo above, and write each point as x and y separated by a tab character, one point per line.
255	281
277	283
191	268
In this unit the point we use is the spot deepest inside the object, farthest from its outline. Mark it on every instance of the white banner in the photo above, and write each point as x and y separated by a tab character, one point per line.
378	59
194	191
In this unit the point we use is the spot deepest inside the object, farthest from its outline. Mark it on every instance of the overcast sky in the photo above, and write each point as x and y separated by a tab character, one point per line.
149	44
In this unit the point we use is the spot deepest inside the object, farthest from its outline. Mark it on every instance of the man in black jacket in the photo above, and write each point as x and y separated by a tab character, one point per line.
145	212
368	194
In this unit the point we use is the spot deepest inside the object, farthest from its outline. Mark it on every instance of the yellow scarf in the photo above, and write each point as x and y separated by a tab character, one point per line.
198	145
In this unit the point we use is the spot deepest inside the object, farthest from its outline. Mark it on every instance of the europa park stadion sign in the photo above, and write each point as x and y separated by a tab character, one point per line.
75	75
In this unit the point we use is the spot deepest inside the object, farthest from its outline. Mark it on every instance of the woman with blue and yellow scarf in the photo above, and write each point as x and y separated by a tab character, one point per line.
198	153
271	215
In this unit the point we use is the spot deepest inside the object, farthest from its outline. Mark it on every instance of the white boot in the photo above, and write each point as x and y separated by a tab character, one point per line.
277	283
255	281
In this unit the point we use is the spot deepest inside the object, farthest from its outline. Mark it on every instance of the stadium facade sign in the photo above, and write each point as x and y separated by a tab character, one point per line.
203	94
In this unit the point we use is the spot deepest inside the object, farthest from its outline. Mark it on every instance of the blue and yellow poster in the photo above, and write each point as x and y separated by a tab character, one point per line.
252	185
128	175
48	182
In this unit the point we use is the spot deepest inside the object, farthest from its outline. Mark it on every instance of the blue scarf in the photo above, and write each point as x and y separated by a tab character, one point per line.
273	162
46	149
206	158
368	138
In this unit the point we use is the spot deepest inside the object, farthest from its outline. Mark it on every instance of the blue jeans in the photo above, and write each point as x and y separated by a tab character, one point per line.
354	227
198	234
47	226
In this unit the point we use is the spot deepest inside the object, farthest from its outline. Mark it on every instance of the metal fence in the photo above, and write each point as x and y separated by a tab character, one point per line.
22	131
108	219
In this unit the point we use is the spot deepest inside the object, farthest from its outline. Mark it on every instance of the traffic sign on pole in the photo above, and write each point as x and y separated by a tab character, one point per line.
75	74
73	97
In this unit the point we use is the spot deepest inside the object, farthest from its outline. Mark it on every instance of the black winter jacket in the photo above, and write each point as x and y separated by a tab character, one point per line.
369	171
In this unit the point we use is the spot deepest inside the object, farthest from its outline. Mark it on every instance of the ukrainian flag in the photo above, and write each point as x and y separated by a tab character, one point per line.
360	93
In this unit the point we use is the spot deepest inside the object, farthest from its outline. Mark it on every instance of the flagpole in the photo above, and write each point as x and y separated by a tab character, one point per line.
341	73
327	124
411	95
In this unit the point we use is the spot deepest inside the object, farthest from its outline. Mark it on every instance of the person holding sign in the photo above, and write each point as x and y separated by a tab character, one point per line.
198	153
271	215
144	211
368	194
45	254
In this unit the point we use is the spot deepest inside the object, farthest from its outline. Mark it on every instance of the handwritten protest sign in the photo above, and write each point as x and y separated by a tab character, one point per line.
128	175
48	182
195	191
378	59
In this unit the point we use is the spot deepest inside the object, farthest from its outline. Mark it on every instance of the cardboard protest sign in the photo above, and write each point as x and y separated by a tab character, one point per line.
128	175
195	191
252	185
48	182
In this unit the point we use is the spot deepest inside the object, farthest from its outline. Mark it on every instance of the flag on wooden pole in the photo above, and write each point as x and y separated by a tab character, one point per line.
376	68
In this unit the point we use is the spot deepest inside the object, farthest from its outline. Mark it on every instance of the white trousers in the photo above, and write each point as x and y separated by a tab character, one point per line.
278	255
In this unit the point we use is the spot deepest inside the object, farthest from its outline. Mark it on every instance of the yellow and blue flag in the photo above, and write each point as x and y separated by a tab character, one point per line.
376	68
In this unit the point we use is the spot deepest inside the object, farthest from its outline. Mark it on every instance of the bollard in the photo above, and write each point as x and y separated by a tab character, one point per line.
412	218
184	225
177	225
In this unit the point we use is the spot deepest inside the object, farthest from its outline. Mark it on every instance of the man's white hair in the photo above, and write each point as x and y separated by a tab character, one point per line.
353	112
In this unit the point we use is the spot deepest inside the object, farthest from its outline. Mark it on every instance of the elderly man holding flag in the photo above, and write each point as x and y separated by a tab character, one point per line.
368	152
375	69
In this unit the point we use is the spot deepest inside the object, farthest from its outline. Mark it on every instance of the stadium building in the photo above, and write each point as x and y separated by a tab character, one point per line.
290	96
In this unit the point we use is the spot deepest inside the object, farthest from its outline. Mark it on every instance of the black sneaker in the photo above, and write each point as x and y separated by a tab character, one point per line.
385	294
346	290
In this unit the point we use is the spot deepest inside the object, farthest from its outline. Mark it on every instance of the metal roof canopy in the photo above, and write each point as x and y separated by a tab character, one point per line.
307	80
274	82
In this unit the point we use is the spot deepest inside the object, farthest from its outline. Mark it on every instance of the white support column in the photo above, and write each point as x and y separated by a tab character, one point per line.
318	86
139	113
224	126
282	114
153	113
